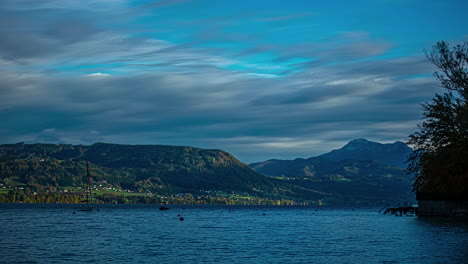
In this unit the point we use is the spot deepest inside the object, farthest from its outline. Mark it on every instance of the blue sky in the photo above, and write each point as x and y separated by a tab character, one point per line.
259	79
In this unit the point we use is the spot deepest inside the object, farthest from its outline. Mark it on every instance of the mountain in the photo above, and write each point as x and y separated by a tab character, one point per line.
361	170
394	154
138	168
173	171
356	150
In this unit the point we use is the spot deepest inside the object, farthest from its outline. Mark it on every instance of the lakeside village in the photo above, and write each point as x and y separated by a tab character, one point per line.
108	194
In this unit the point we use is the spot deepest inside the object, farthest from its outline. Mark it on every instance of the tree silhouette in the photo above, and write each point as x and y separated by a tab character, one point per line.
440	159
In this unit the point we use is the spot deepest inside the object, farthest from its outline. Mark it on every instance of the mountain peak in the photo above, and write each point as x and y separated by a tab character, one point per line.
359	143
362	149
359	140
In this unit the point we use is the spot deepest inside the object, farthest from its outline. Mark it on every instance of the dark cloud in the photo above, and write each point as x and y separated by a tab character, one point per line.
201	106
343	47
216	109
25	45
48	135
395	67
73	78
30	34
71	30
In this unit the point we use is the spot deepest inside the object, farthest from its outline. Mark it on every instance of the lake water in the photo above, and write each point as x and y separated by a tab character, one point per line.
225	234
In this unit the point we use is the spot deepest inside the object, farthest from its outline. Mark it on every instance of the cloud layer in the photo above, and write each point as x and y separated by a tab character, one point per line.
105	72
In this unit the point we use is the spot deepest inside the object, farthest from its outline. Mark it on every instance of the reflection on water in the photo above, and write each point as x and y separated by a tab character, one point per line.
220	234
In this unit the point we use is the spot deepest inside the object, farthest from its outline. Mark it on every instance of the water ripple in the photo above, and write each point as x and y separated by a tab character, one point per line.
143	234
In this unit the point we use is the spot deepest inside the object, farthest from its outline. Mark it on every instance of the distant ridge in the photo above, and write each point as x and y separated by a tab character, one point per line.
361	169
394	154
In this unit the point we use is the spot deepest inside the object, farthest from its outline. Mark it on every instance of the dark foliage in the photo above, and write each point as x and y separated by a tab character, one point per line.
441	144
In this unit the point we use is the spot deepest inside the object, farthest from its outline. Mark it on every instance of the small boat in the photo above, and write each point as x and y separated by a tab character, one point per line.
162	208
88	205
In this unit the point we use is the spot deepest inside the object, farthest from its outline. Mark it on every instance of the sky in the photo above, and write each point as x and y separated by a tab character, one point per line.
260	79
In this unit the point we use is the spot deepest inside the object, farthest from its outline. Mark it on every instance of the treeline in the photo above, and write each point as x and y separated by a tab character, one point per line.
69	198
21	197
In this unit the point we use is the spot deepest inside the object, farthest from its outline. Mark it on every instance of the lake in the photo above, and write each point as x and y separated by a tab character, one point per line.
53	233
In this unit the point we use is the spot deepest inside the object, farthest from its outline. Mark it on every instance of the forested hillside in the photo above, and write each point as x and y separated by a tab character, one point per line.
144	169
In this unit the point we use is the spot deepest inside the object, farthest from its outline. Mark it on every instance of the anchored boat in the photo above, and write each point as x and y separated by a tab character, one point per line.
87	205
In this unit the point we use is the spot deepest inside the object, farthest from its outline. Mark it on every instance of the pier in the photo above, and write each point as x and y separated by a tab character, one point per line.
400	210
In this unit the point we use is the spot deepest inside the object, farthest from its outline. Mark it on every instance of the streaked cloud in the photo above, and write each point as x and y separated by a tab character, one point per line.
193	73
